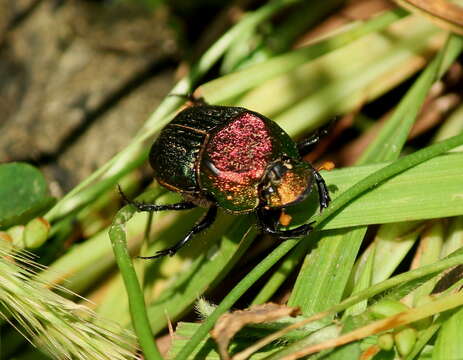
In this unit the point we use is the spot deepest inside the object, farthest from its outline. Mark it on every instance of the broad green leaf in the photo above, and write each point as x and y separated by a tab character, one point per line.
23	194
401	198
324	287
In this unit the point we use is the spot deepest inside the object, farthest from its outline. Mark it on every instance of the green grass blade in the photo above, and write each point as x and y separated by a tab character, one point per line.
400	198
229	86
286	268
428	252
138	312
393	241
361	277
388	144
322	285
347	78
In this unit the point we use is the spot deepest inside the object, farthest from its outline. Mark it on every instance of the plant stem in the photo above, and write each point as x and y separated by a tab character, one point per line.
134	292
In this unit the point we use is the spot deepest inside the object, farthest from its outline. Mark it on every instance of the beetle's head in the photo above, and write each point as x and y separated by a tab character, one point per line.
285	182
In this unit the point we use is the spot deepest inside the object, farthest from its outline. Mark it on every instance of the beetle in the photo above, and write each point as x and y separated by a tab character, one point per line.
235	159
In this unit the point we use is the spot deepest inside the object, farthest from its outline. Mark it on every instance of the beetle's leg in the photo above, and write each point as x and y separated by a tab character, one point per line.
184	205
323	194
204	223
268	226
305	146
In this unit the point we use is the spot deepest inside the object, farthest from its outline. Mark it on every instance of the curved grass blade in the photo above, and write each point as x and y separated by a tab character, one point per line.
138	312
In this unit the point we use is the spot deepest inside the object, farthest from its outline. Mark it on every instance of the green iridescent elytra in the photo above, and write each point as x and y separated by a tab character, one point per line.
222	154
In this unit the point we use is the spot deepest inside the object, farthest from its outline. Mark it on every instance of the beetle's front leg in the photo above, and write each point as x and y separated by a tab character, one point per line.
323	194
204	223
268	226
184	205
305	146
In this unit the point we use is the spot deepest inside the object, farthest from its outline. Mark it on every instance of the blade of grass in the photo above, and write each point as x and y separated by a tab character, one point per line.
286	268
392	242
361	276
455	239
429	250
445	14
138	312
388	144
331	261
399	199
337	204
229	86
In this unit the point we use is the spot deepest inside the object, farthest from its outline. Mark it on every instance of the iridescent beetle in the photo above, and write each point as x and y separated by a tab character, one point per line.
236	159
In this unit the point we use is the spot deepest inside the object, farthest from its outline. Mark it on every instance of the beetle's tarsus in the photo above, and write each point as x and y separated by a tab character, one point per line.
204	223
185	205
323	194
159	254
305	146
268	226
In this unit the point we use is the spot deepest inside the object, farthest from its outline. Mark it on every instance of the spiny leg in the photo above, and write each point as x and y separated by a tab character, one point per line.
269	226
204	223
305	146
184	205
323	194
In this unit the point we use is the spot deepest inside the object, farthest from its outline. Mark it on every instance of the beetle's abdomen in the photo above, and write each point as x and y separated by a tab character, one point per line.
173	157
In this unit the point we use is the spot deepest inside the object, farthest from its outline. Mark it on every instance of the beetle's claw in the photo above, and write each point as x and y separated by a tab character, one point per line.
324	202
159	254
125	197
138	205
298	232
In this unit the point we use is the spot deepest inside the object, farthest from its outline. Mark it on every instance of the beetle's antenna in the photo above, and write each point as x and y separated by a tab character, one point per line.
190	97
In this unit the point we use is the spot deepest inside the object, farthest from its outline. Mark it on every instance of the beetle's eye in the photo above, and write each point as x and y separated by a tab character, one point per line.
267	191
